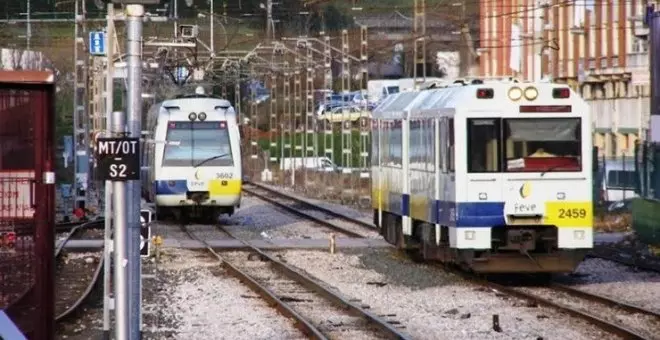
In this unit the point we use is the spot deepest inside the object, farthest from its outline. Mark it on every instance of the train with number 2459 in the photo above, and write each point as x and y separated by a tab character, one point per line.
493	176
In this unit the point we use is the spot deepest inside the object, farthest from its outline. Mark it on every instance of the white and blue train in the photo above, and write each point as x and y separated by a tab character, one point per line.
194	161
493	176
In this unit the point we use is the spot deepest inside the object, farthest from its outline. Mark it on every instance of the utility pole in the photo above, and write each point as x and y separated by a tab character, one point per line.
270	25
328	133
109	109
419	33
467	53
538	43
134	17
28	33
80	117
346	128
120	217
211	26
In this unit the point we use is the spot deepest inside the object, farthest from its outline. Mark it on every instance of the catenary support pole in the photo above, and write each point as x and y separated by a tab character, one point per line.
108	184
120	220
134	16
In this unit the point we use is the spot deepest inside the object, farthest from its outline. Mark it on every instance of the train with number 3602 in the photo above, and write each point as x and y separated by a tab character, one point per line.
193	157
494	176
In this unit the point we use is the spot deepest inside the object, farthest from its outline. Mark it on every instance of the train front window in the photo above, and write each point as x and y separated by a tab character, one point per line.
542	144
196	143
483	145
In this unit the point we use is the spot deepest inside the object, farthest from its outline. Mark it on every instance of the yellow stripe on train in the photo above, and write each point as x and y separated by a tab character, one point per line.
220	187
569	214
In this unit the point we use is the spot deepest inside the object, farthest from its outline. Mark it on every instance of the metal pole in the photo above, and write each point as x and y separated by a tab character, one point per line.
28	33
538	43
269	20
110	44
419	33
134	14
120	204
212	30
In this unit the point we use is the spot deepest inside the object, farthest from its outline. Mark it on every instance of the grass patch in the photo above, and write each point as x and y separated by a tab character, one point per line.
324	142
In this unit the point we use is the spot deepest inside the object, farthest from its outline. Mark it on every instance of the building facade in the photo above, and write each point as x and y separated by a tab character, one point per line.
597	46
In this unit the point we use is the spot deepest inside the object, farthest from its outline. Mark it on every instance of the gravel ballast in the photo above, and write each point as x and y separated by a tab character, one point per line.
203	302
617	281
432	304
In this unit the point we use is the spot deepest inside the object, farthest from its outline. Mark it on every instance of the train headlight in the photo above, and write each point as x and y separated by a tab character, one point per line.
192	116
515	93
202	116
531	93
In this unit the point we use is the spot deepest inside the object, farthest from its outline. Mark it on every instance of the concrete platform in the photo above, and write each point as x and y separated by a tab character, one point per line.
95	245
281	243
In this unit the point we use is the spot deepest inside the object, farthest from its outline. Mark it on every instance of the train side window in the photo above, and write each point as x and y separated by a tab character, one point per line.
450	145
442	137
395	141
375	143
430	144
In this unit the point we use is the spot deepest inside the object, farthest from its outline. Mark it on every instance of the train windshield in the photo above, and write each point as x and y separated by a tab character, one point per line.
524	145
196	143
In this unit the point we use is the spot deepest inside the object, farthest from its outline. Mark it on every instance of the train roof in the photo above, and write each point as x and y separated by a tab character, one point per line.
215	109
446	101
195	99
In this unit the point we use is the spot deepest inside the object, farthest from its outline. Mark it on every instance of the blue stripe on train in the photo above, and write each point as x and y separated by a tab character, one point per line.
449	213
179	187
480	214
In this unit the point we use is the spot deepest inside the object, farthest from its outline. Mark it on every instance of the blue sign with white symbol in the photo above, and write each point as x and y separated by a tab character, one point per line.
97	43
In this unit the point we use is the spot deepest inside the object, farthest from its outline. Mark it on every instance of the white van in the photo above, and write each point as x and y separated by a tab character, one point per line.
310	163
619	180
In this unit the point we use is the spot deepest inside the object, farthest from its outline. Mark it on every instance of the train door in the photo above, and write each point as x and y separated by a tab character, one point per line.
481	203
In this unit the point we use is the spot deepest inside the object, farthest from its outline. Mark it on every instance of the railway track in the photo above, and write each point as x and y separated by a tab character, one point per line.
71	291
299	297
617	255
341	223
622	319
65	227
76	275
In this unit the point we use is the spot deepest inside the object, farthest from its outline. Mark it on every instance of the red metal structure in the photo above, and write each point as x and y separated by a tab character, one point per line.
27	200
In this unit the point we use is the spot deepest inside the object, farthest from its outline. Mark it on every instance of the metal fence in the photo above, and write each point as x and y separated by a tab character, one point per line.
646	211
27	200
614	179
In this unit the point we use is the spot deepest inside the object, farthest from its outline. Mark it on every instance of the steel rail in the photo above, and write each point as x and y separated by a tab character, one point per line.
303	214
68	226
603	324
313	206
58	251
311	284
299	321
85	295
604	252
95	278
604	300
